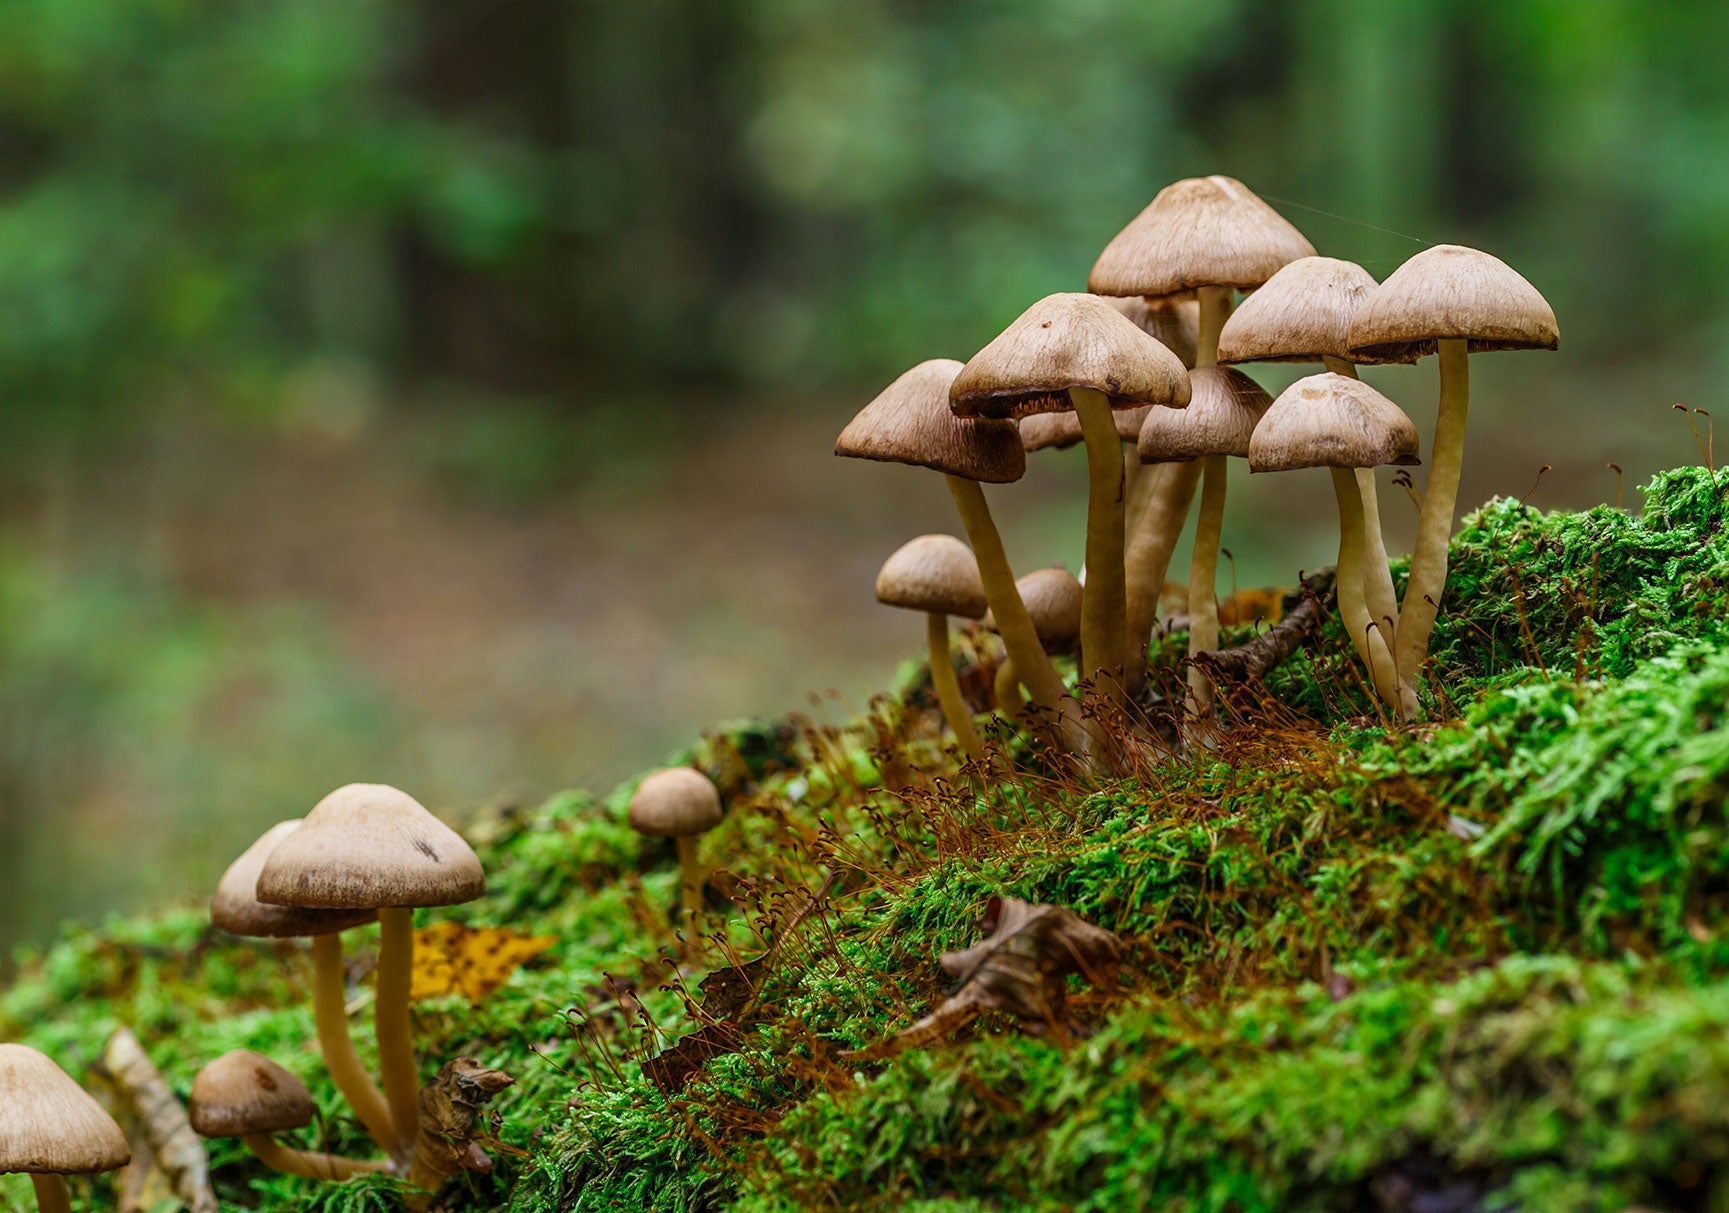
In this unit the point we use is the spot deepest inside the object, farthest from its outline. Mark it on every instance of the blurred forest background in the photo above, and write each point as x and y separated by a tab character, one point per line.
442	393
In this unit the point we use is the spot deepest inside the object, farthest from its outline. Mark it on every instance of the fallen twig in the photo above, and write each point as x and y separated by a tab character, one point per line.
1259	657
178	1150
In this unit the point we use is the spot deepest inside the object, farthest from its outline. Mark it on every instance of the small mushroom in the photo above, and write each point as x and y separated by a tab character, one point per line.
678	803
937	574
1053	597
246	1095
51	1128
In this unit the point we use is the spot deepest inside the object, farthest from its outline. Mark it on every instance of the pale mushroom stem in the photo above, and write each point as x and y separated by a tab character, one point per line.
1377	576
1140	492
308	1164
52	1195
1149	557
690	879
1037	674
1131	484
1104	609
1370	645
1203	573
948	687
1010	700
392	1025
1434	524
337	1045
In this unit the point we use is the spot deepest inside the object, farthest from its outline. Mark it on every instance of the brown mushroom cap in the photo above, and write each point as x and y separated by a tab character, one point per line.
1053	599
49	1125
1201	231
237	910
1303	313
935	573
1222	414
1332	420
1066	341
245	1092
675	803
910	422
1173	323
368	845
1452	291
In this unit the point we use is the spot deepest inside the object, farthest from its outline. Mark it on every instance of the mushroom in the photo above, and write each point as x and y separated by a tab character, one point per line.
678	803
51	1128
1053	597
1224	405
1204	236
1077	352
937	574
1457	302
370	846
246	1095
1339	422
236	909
910	422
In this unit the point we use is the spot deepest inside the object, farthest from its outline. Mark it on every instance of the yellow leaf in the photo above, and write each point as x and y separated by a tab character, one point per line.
450	958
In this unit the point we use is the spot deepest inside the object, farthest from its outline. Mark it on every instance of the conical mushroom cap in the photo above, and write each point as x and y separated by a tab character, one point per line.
1201	231
1302	314
368	845
1173	323
1053	600
1452	291
1060	431
1223	411
910	422
1061	342
935	573
49	1125
237	910
245	1092
675	803
1332	421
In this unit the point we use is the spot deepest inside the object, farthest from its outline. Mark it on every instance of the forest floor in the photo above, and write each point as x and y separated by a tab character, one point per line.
1480	963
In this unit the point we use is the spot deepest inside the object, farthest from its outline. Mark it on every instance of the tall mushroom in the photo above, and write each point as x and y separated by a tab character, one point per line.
1456	302
1053	597
236	909
1205	236
680	803
937	574
1077	352
371	846
51	1128
246	1095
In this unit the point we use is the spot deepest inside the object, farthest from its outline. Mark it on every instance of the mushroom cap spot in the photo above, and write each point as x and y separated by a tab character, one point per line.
1303	313
910	422
935	573
245	1092
368	846
236	909
675	803
1201	231
1224	408
49	1125
1450	291
1332	420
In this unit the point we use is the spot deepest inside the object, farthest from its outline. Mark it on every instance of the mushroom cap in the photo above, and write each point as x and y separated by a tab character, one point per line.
1053	600
237	910
49	1125
935	573
1303	313
368	845
675	803
1452	291
1065	341
1174	323
1332	420
910	422
1060	431
1201	231
1223	411
245	1092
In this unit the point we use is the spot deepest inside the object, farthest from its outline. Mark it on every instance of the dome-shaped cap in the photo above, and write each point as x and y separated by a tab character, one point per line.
1201	231
1452	291
910	422
368	845
245	1092
1053	601
935	573
237	910
1302	314
675	803
1060	431
1332	421
49	1125
1061	342
1223	411
1174	323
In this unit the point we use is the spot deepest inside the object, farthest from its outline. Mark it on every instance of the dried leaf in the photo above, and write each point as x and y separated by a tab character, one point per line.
177	1151
450	958
450	1126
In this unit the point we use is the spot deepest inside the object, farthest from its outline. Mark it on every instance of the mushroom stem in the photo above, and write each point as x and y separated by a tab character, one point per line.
1215	304
690	879
1149	557
948	687
337	1045
1010	700
309	1164
1140	491
1037	674
1435	523
1370	645
1104	610
1377	577
1132	466
1203	574
52	1195
392	1026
